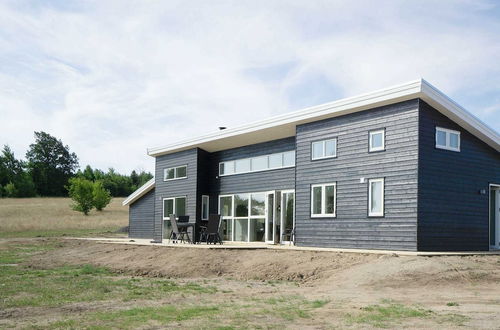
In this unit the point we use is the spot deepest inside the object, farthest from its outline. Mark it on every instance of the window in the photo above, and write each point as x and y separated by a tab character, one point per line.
447	139
376	197
324	149
377	140
174	205
174	173
259	163
205	200
243	217
323	200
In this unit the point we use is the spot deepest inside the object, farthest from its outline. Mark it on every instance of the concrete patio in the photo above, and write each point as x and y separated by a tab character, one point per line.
261	246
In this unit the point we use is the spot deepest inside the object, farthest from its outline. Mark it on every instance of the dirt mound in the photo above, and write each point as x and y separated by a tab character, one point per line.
194	263
323	268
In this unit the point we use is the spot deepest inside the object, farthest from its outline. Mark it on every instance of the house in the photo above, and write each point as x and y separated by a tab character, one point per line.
403	168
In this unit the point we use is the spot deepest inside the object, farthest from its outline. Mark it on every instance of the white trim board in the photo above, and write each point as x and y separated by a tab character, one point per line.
145	188
283	126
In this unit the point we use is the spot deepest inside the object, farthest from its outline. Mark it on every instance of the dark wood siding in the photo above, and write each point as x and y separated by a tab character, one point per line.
141	217
453	215
352	228
251	182
175	188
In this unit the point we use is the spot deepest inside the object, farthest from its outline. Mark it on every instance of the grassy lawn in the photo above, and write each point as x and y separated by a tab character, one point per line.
135	300
53	217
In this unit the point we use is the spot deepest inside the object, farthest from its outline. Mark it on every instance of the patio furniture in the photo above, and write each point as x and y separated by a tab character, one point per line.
183	218
290	233
212	230
179	230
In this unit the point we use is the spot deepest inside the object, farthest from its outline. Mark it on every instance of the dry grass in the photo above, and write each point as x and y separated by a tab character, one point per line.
42	216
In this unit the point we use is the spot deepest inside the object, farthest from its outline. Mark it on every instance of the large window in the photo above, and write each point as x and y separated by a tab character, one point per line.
173	173
376	197
173	205
205	203
256	164
377	140
447	139
324	149
323	200
243	217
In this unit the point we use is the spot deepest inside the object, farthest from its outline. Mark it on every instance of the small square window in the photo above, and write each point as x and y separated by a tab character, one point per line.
181	172
324	149
447	139
377	140
170	173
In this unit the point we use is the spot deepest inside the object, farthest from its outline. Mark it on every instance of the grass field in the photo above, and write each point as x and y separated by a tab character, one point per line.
49	217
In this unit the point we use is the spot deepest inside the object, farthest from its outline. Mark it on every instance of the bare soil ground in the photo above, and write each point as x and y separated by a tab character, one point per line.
345	290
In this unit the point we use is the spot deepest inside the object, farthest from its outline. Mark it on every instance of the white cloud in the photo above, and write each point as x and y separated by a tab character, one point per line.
113	78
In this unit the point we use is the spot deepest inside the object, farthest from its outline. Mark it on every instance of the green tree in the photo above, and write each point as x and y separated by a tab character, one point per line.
51	164
10	167
81	192
10	190
12	171
101	196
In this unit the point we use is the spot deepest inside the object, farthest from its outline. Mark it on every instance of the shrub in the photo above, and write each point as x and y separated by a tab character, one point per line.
10	190
81	192
101	196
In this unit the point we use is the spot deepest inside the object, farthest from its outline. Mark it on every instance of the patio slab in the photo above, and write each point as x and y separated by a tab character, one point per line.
261	246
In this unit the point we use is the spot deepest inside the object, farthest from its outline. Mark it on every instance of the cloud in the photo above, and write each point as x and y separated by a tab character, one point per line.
111	78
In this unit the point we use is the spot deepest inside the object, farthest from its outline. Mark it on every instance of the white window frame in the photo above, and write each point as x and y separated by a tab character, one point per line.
323	143
233	217
203	198
261	170
174	203
447	132
175	173
376	214
323	204
371	148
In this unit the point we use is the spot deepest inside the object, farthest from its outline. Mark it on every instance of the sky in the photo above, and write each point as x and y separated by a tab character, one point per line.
113	78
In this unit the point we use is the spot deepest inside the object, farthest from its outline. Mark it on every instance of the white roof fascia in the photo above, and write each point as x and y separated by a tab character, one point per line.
139	192
284	125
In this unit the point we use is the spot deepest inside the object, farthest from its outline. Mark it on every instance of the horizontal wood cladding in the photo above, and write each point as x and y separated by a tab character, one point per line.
176	188
453	215
398	164
141	216
277	179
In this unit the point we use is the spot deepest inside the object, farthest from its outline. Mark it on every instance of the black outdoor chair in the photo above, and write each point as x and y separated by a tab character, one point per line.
183	218
211	232
177	233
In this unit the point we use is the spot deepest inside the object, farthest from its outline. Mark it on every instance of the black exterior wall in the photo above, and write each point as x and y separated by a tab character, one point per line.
176	188
141	216
452	213
352	228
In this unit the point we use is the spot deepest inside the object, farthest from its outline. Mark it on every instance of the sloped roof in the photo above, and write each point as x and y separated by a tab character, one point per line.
284	125
145	188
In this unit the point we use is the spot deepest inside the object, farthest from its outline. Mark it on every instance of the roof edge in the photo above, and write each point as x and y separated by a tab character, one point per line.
406	89
141	191
419	88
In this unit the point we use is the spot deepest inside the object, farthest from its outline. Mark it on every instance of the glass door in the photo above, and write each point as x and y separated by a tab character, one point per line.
270	206
287	216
